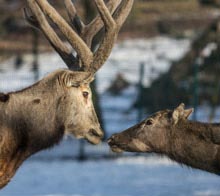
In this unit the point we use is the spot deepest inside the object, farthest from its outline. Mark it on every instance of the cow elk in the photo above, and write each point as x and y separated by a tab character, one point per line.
37	117
170	133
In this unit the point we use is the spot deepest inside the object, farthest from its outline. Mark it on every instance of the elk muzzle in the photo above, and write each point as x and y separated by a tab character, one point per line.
94	136
120	142
127	141
114	145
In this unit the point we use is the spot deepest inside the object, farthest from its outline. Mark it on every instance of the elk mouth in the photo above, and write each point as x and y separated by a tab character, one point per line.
94	137
133	145
115	147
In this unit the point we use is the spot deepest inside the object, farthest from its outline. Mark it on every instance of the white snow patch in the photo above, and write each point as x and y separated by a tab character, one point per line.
207	193
152	161
157	54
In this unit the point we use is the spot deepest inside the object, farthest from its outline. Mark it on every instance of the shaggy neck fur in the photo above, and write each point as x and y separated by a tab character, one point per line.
23	131
21	114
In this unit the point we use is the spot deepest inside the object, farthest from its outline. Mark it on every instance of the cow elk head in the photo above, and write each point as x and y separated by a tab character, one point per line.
150	135
170	133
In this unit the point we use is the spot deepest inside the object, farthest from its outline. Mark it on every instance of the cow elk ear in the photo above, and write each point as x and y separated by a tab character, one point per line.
181	113
188	112
178	113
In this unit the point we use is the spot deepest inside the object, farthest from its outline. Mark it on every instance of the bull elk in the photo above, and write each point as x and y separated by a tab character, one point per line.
169	133
37	117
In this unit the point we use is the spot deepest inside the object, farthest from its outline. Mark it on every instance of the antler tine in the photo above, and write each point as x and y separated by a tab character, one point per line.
86	59
74	18
97	24
123	12
112	27
83	51
87	32
41	23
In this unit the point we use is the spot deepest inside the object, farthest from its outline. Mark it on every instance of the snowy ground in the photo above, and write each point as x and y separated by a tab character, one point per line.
48	175
123	177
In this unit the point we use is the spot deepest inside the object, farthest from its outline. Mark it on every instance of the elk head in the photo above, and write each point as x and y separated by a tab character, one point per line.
112	15
75	109
152	134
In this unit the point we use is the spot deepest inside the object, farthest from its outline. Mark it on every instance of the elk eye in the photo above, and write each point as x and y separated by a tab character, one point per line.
85	94
149	122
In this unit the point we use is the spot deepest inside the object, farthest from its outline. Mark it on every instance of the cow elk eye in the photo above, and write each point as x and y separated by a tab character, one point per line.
149	122
85	94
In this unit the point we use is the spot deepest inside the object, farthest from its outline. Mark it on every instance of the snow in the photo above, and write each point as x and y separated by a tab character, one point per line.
55	173
157	55
110	178
207	51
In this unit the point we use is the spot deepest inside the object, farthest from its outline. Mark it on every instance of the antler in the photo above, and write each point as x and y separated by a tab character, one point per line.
87	32
111	15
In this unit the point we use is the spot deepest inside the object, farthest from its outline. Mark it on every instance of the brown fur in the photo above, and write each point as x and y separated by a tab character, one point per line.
37	117
169	133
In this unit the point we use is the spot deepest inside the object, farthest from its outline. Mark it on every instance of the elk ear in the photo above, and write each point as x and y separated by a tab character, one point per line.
178	113
75	79
188	112
89	79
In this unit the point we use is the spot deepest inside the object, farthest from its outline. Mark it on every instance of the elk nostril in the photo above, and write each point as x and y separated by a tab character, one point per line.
95	133
111	140
114	136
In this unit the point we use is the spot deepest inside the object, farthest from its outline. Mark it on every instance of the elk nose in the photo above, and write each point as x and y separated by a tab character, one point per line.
101	134
111	140
98	133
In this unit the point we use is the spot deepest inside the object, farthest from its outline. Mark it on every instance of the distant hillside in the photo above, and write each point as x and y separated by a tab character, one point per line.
173	17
